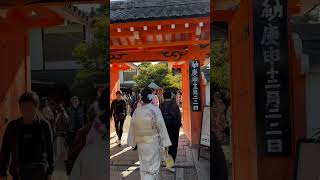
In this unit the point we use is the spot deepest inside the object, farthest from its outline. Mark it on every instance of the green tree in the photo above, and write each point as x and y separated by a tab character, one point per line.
159	74
219	66
94	59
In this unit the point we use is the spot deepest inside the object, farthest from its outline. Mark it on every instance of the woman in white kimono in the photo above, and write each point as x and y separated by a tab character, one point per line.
149	134
91	164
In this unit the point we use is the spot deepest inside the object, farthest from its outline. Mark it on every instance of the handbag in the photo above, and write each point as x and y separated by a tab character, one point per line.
35	170
169	118
168	159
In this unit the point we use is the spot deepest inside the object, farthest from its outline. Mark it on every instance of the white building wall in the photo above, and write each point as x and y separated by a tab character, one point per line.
35	47
207	94
121	77
312	102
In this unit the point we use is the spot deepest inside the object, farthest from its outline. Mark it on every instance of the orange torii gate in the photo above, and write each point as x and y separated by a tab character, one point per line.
247	164
176	41
17	17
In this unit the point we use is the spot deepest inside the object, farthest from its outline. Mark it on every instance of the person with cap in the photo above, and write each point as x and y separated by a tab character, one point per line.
119	114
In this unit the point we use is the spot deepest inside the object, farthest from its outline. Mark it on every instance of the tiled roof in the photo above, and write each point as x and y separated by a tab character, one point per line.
315	12
137	10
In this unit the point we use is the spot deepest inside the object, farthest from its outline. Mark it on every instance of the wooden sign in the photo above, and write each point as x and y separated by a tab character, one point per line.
272	77
205	127
195	91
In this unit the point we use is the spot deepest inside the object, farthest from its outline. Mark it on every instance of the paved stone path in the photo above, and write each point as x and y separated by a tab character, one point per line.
59	173
124	162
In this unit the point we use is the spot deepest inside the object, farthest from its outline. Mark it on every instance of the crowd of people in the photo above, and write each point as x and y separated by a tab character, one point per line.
154	128
48	131
221	115
221	134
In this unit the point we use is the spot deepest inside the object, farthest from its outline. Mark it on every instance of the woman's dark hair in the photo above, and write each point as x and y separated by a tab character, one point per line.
167	95
118	92
29	97
144	95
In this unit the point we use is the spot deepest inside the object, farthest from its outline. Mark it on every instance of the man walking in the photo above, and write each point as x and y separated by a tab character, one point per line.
76	119
27	144
119	113
172	117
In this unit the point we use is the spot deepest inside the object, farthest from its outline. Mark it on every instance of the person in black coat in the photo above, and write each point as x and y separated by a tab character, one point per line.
119	114
218	163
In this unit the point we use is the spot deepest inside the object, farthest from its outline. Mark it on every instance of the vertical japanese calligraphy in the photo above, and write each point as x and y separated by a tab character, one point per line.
195	92
271	77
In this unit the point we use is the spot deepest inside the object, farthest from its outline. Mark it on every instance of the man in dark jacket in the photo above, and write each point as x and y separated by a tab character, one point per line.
76	119
76	115
119	113
27	141
172	118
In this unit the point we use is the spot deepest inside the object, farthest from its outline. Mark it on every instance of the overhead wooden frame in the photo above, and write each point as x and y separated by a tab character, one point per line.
177	54
12	3
159	33
33	16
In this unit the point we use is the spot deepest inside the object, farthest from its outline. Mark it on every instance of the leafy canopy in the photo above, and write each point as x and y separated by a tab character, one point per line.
219	69
94	60
157	73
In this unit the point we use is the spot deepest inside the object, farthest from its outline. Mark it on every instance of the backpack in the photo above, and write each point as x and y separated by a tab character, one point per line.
36	170
61	125
168	117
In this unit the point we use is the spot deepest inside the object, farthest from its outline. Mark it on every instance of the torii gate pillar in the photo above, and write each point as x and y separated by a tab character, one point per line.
15	62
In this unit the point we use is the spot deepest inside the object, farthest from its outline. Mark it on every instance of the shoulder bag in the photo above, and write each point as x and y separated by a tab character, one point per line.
35	170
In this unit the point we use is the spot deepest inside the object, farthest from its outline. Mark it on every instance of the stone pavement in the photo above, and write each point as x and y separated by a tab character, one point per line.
203	163
59	172
228	153
124	162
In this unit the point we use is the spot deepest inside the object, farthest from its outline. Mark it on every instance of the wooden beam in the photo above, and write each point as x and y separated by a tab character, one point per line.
222	15
160	22
12	3
153	30
46	17
162	44
168	55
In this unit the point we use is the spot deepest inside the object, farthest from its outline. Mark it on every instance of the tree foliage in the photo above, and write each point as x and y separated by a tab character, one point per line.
159	74
219	70
94	59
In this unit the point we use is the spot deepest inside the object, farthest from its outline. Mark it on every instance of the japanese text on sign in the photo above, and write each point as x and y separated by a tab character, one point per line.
271	61
195	85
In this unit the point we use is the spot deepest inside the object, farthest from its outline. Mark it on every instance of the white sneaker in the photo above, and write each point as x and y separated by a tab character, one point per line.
171	169
119	142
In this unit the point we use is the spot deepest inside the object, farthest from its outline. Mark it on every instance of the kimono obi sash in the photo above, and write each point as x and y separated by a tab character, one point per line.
144	127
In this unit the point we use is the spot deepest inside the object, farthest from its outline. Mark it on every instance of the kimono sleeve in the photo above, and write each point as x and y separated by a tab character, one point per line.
163	133
131	137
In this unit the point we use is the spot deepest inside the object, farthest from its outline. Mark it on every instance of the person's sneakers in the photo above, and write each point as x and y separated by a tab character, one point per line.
119	142
171	169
